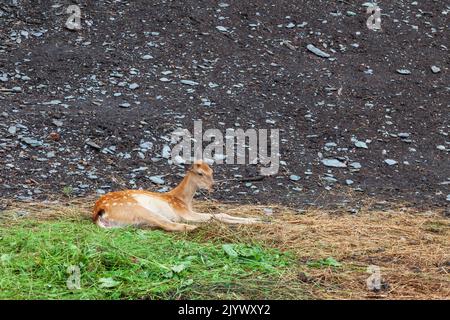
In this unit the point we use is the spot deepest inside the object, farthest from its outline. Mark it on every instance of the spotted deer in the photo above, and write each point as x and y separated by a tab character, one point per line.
167	211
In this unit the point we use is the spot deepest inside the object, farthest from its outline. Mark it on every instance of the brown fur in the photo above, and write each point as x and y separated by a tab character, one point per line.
161	210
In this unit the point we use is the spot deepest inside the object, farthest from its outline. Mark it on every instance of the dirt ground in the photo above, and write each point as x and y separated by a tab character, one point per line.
77	107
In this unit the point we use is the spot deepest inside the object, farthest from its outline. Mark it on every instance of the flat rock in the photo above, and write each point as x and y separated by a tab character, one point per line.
361	144
390	162
157	180
333	163
317	51
189	82
133	86
403	71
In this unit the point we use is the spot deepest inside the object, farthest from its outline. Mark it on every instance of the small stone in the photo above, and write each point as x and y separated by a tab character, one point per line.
349	182
330	180
12	130
157	180
317	51
361	144
93	144
355	165
3	77
435	69
146	145
53	102
189	82
146	57
222	29
390	162
403	71
32	142
133	86
125	105
294	177
448	197
441	147
333	163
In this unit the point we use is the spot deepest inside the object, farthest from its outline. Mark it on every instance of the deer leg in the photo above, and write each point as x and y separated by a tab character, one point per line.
235	220
197	217
167	225
140	216
203	217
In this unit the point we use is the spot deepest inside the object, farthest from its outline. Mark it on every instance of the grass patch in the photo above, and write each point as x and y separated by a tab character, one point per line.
35	257
318	254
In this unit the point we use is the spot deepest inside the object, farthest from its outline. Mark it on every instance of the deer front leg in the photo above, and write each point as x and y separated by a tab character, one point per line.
198	217
235	220
203	217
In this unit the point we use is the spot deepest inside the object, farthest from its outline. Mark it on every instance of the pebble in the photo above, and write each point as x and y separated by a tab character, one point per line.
294	177
317	51
333	163
222	28
147	57
361	144
390	162
435	69
125	105
189	82
3	77
133	86
290	25
157	180
355	165
403	71
32	142
12	130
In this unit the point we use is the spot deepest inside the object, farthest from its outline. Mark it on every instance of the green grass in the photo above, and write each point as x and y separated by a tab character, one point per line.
132	264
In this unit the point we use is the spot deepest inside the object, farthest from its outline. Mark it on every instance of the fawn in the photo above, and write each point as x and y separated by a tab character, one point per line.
167	210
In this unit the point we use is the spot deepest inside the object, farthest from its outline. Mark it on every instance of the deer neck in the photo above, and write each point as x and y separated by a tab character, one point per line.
185	191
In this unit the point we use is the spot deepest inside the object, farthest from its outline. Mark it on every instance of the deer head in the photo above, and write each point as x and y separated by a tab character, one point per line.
202	175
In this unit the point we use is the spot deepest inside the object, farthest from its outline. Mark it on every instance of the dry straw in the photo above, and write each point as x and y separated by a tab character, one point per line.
411	248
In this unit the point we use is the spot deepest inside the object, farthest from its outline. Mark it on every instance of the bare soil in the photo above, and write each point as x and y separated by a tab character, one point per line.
263	71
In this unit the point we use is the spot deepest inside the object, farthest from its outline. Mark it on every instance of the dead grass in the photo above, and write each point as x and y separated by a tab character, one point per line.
411	248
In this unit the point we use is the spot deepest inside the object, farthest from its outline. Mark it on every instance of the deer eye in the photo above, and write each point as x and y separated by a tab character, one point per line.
200	173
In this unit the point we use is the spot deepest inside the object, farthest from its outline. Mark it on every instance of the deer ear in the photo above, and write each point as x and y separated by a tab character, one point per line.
195	166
